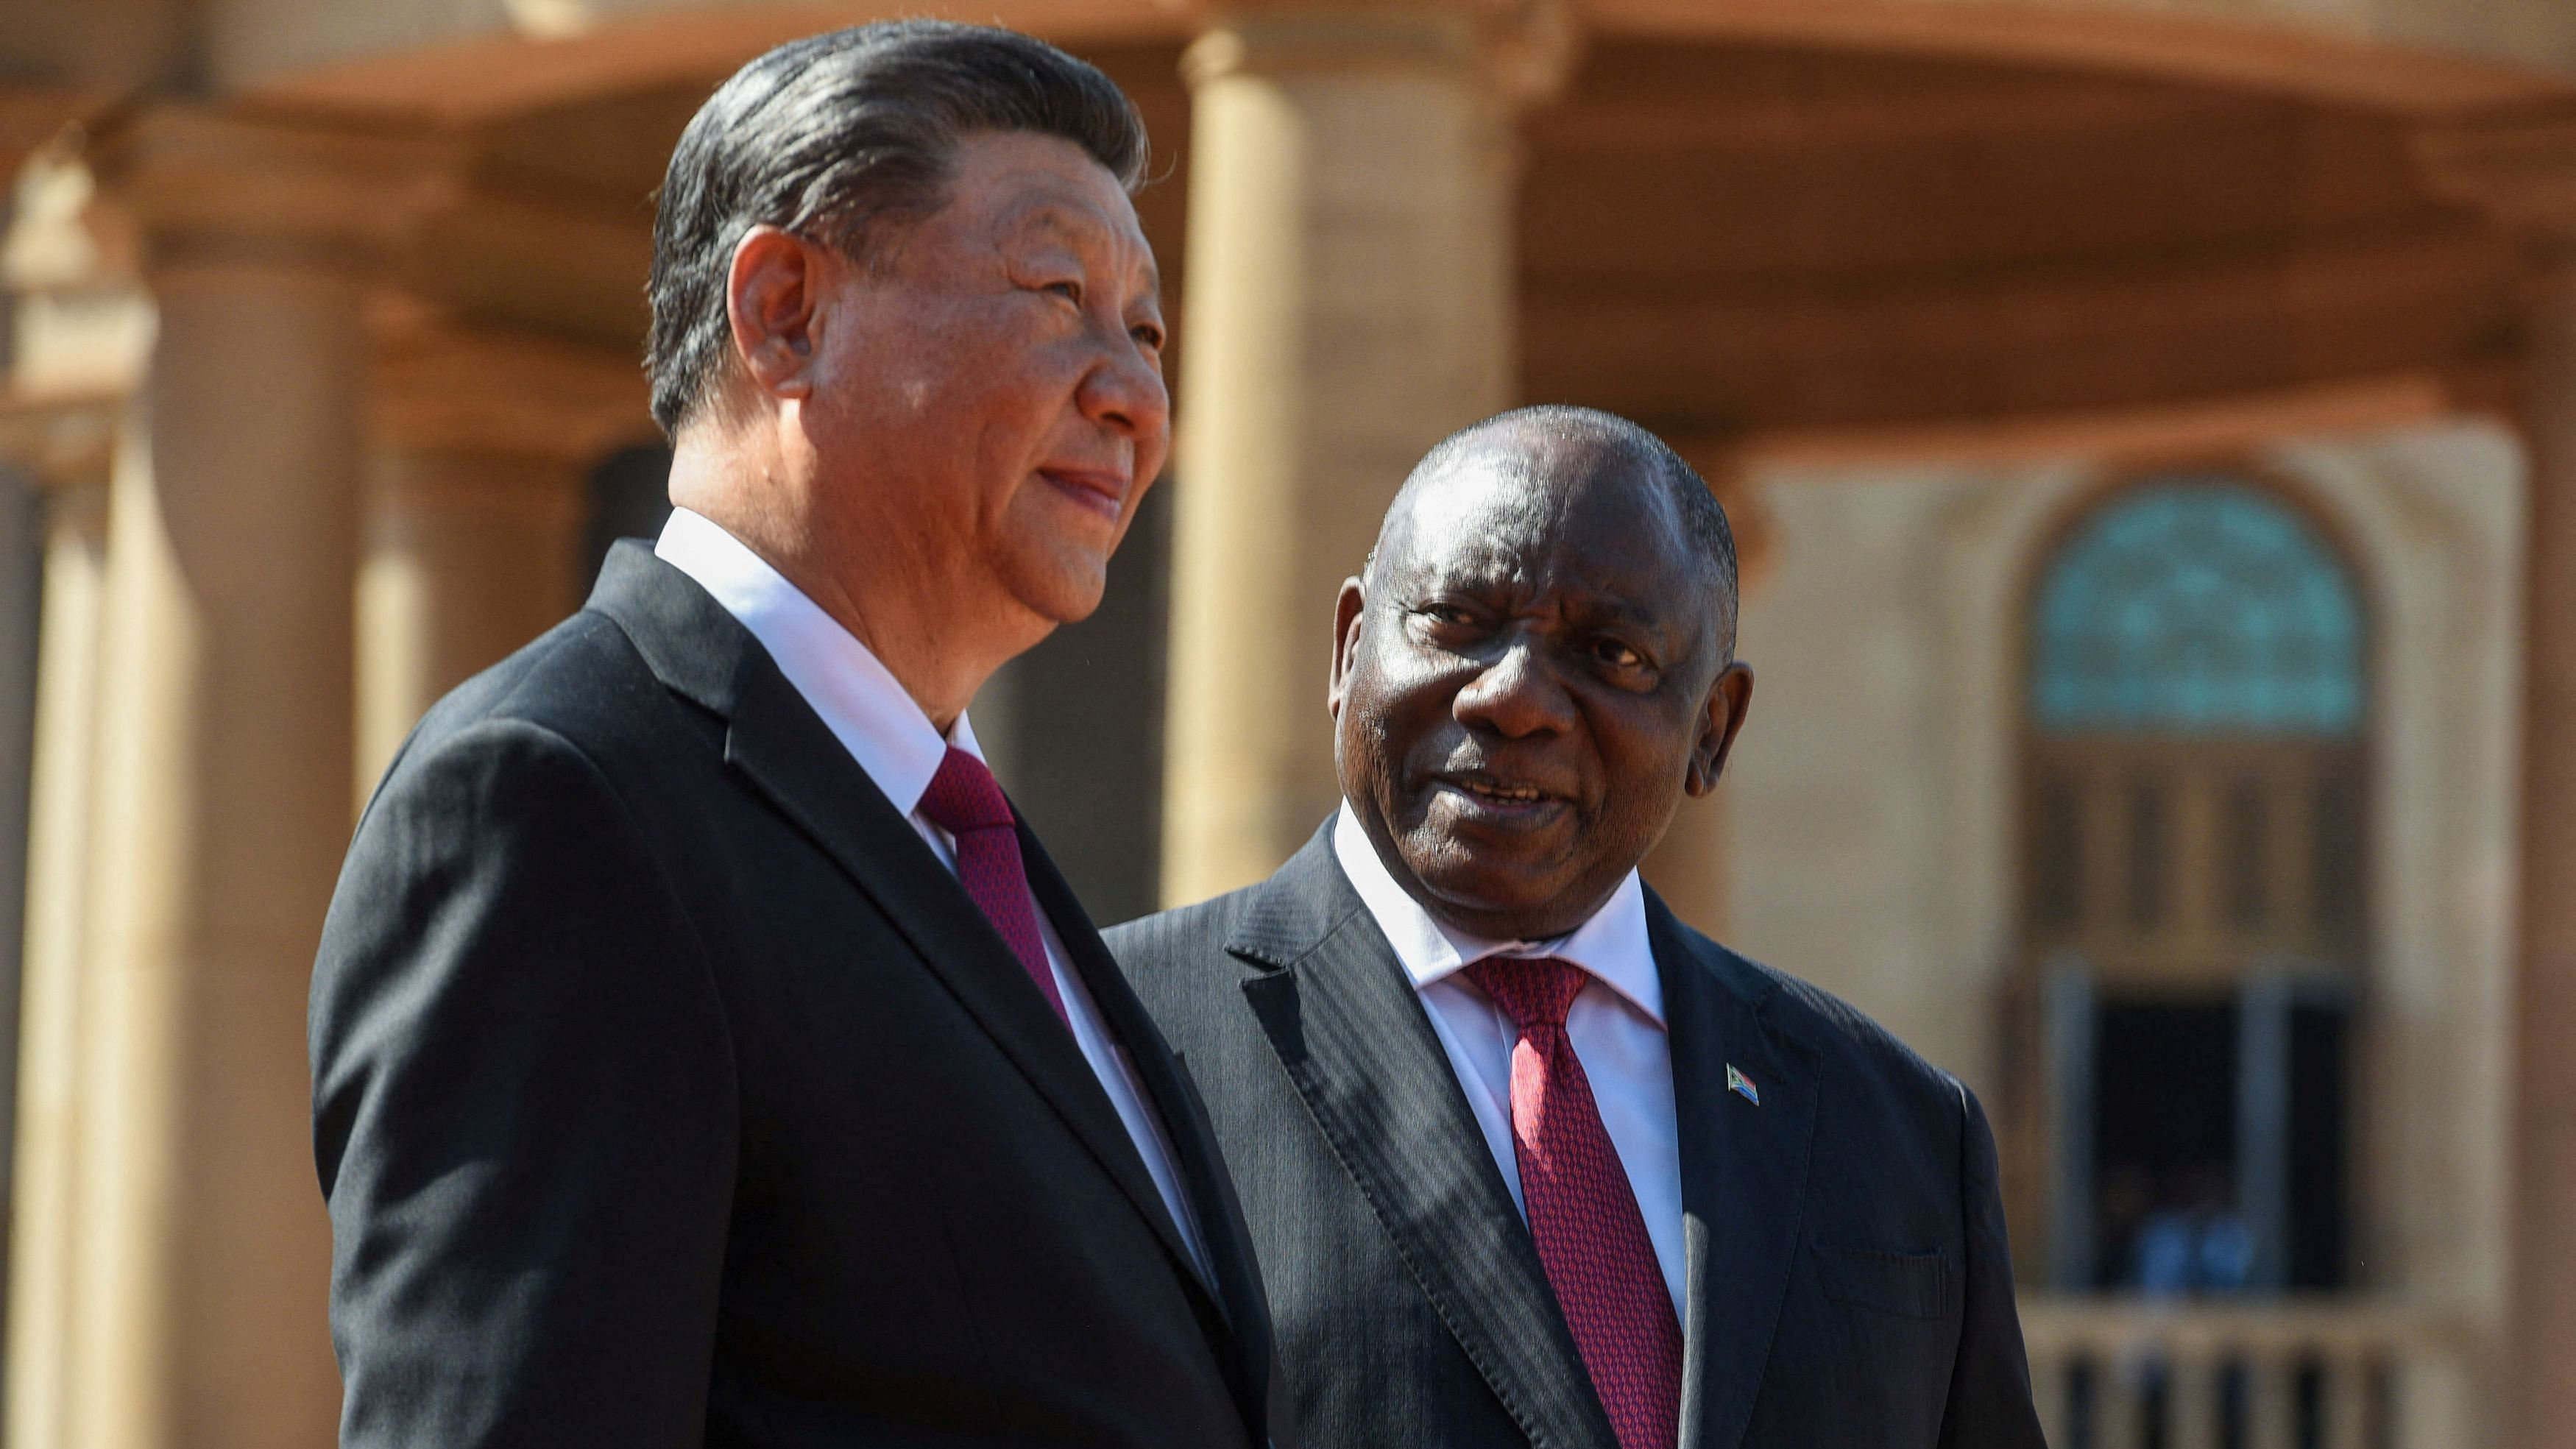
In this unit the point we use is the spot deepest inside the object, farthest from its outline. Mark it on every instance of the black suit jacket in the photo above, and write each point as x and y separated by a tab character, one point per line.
668	1091
1847	1282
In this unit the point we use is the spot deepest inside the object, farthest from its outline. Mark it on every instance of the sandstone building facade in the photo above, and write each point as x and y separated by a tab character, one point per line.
2152	425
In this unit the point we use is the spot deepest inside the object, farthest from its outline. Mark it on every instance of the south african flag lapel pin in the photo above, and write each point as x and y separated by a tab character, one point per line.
1742	1085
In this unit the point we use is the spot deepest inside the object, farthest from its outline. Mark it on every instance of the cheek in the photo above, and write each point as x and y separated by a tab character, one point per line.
969	366
1643	760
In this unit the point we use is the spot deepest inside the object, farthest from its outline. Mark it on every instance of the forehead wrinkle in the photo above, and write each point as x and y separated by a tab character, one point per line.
1053	218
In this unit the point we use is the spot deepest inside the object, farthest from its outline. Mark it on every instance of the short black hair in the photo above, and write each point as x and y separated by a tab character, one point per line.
836	136
1711	537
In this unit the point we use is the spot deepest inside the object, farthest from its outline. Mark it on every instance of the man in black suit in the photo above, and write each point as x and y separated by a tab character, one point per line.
703	1052
1527	1160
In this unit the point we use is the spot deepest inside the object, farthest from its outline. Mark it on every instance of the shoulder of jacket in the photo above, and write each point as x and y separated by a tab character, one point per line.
1180	937
1835	1025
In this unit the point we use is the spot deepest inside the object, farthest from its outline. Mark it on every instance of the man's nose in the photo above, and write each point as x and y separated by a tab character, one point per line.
1516	696
1125	391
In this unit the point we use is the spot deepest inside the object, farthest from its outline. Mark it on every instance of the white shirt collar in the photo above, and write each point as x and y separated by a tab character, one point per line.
1612	946
861	701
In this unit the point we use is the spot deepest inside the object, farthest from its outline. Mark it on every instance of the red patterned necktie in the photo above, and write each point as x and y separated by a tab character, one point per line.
1591	1237
964	800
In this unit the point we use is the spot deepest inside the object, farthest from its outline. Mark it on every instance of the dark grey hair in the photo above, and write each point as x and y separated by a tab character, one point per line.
838	137
1711	537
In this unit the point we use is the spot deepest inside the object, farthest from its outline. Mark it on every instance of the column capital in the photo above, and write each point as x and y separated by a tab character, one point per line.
206	187
1523	50
443	386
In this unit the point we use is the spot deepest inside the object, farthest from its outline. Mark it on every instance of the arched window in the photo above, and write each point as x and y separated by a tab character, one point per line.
2197	606
2197	693
2194	885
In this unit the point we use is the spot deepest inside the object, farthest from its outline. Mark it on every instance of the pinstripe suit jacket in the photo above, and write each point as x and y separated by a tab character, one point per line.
1848	1285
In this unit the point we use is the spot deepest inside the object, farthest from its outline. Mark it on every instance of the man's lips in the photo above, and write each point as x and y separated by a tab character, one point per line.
1499	796
1102	490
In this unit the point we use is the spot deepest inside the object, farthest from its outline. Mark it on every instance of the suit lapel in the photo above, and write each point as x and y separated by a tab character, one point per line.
1744	1173
1342	1015
1238	1294
787	754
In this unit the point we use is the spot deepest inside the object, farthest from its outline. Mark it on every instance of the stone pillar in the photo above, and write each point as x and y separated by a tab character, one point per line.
474	510
1351	302
2542	1334
45	1207
223	765
79	328
2522	171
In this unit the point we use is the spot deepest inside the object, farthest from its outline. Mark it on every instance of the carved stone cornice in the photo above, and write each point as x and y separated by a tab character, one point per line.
204	187
1521	50
440	386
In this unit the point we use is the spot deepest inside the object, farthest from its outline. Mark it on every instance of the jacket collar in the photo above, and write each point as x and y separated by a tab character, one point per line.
782	750
1342	1014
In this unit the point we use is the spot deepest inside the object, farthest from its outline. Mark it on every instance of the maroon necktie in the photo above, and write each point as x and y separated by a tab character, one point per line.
964	800
1591	1237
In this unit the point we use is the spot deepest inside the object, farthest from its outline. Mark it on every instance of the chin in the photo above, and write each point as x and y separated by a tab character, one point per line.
1058	588
1493	895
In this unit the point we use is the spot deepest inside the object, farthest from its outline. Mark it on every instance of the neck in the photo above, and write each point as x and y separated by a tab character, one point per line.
926	619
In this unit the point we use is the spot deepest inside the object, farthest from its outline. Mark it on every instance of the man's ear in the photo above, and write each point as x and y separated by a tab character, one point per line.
1728	698
1347	610
773	303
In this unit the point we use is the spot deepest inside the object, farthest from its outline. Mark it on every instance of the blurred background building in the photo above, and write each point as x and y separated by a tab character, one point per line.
2151	425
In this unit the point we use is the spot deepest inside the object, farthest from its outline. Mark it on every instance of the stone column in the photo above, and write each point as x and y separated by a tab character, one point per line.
79	327
223	766
1351	302
44	1203
2522	171
474	510
67	447
2542	1335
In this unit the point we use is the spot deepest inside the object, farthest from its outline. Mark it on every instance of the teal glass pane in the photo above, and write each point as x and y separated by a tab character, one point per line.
2197	606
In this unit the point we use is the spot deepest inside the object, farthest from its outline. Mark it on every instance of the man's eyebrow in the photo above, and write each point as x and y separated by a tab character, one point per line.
1079	224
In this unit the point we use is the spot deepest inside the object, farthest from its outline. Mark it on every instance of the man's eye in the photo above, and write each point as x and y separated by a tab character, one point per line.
1147	335
1618	655
1070	291
1446	614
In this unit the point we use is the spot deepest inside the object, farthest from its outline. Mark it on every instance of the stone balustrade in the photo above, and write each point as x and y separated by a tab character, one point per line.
2297	1373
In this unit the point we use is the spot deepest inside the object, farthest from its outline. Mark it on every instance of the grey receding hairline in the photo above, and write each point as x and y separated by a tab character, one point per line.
1712	538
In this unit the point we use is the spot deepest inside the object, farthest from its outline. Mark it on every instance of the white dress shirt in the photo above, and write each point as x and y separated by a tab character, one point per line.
1616	1025
877	721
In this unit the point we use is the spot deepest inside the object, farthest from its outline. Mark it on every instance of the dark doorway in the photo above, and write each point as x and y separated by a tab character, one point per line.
2165	1088
2212	1138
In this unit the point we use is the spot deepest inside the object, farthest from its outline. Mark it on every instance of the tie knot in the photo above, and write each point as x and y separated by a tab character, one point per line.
1534	991
964	796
